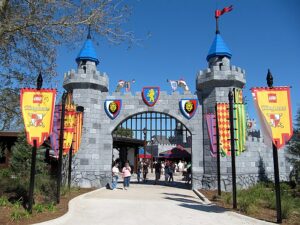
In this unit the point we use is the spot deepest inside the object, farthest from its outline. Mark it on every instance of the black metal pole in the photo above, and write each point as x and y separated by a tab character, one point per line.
70	167
276	167
218	153
145	143
151	157
32	176
217	26
61	142
277	184
230	98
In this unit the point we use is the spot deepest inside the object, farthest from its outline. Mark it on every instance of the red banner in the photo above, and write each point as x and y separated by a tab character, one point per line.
78	132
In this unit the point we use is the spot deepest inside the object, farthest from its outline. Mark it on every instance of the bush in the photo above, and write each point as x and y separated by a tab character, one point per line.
18	212
39	208
51	207
227	197
46	186
4	201
286	208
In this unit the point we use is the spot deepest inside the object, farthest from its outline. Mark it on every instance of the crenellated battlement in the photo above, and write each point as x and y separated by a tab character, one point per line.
220	76
163	95
83	79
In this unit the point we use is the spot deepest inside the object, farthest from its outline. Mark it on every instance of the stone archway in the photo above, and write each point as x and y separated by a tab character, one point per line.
93	161
155	131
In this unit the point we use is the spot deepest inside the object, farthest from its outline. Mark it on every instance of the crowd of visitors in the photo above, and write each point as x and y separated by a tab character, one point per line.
166	168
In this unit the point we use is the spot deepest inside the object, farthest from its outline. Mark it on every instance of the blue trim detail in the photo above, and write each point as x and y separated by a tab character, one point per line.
218	48
88	52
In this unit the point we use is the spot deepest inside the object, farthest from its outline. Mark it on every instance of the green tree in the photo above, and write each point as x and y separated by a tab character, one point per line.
20	167
31	31
294	147
124	132
20	162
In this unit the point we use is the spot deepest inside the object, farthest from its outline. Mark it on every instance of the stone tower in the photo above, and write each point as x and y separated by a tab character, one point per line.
88	85
213	85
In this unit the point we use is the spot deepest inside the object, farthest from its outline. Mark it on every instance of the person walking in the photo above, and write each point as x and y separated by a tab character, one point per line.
145	171
167	172
188	173
180	166
139	171
115	176
171	171
126	175
157	167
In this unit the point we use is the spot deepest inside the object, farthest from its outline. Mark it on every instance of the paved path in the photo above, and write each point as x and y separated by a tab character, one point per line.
147	205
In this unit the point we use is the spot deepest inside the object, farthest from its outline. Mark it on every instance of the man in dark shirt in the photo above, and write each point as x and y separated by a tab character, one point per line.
157	167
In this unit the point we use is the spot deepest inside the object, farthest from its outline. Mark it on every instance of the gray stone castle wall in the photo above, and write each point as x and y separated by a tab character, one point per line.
256	163
93	161
92	164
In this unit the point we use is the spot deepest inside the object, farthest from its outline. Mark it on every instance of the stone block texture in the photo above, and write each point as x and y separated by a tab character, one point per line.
92	164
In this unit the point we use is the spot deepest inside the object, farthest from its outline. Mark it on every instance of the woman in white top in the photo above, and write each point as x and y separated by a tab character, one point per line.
115	176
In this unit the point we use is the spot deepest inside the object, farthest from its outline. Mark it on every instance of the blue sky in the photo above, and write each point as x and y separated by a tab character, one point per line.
260	34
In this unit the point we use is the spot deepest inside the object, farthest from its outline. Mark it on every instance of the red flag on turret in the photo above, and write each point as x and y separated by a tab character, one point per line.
219	13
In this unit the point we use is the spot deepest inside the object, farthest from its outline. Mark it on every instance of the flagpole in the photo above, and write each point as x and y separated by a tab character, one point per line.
217	25
39	85
230	97
61	142
70	166
218	153
32	177
276	167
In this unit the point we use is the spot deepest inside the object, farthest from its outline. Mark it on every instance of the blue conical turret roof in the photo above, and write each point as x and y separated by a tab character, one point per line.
218	48
88	52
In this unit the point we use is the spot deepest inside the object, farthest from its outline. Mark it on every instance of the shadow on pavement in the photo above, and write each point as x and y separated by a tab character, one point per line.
182	200
179	195
175	184
204	208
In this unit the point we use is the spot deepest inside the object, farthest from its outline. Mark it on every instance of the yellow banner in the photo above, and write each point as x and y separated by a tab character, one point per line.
37	110
274	107
69	125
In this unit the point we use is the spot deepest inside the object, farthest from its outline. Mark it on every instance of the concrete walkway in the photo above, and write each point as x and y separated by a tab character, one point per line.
147	205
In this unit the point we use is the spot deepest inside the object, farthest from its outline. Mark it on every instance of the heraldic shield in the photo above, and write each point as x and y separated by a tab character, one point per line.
113	107
150	95
188	107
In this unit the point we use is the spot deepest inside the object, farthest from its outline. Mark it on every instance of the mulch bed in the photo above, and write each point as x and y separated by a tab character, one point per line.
61	209
265	214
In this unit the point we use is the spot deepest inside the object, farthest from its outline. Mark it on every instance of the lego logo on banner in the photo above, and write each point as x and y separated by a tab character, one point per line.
188	107
113	107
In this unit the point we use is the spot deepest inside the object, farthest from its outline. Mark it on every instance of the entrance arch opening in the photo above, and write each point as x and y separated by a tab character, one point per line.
153	137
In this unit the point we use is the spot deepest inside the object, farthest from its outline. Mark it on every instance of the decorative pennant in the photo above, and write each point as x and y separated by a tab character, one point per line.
224	128
150	95
37	109
211	127
113	107
78	132
69	123
240	128
54	137
275	113
188	107
238	96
